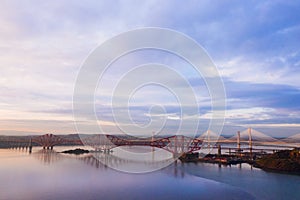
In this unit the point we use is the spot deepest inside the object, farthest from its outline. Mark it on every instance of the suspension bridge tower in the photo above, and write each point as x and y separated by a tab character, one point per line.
250	140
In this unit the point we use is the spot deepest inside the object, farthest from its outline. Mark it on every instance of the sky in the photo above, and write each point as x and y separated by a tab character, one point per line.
254	45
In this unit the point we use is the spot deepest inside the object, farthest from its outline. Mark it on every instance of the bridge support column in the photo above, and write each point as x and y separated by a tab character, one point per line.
250	142
175	145
30	145
219	150
208	139
182	144
238	140
152	142
239	151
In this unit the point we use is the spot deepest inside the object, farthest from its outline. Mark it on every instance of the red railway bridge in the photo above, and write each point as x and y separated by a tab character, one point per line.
177	144
48	141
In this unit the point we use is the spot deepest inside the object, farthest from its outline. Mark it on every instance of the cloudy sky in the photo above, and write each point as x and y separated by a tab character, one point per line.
254	44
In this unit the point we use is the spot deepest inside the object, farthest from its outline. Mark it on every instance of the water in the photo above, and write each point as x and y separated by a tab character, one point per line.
58	176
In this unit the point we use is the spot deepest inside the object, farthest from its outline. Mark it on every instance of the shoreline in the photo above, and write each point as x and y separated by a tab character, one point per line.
284	161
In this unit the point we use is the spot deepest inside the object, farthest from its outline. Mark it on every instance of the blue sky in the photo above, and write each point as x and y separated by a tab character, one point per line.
254	44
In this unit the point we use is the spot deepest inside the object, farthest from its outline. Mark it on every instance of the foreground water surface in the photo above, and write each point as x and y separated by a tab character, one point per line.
51	175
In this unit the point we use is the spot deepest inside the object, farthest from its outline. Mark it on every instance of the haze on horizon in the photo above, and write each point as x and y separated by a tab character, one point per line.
254	44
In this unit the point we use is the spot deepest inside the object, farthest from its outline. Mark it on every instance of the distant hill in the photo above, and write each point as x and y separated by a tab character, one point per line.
292	139
19	133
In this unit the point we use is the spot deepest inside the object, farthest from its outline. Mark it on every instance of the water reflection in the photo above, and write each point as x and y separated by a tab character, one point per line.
103	161
85	177
47	156
177	169
92	161
106	161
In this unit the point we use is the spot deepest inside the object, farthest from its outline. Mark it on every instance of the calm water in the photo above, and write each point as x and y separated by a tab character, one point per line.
57	176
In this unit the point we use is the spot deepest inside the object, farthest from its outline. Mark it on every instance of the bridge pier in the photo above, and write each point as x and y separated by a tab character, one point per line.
219	150
239	150
30	145
250	142
251	153
208	139
106	150
48	147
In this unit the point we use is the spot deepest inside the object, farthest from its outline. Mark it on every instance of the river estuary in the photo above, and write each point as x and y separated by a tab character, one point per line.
52	175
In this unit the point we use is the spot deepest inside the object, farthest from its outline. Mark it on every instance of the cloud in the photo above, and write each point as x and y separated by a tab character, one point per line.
254	45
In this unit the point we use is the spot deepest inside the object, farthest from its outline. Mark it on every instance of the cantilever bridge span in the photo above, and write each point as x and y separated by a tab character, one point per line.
48	141
177	144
